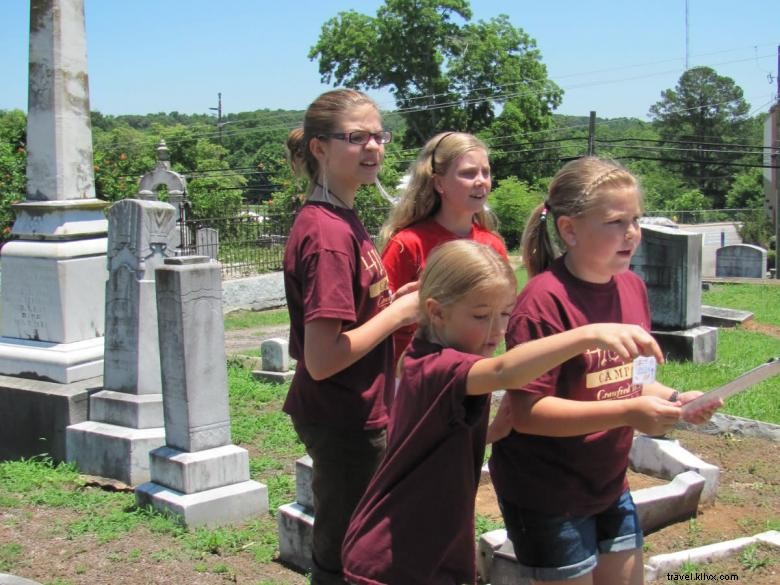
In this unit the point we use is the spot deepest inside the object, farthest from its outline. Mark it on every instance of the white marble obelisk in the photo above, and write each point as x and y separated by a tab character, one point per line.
54	272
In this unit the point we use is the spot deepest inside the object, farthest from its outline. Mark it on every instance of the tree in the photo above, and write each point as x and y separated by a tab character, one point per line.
512	202
443	75
13	162
703	120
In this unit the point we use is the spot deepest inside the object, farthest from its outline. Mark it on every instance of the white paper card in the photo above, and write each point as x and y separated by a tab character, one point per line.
644	370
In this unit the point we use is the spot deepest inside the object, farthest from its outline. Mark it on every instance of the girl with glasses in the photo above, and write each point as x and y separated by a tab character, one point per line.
444	200
341	315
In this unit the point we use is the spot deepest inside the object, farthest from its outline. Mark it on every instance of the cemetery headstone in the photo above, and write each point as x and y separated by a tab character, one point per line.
741	260
669	261
126	417
199	475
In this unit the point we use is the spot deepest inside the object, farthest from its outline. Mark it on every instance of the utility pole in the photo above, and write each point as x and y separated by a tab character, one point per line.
592	134
218	109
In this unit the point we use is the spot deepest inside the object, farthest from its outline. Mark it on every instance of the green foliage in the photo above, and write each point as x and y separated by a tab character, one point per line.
512	202
754	557
13	161
747	190
474	69
704	111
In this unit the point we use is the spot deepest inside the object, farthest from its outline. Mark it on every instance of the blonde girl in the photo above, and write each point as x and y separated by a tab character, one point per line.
445	200
415	523
341	315
561	478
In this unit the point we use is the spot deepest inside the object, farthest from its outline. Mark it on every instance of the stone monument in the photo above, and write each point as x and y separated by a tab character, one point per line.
741	261
199	475
126	417
54	270
176	186
669	261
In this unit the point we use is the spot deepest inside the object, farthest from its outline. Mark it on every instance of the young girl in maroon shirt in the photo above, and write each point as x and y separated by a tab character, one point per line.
561	477
341	315
415	523
444	200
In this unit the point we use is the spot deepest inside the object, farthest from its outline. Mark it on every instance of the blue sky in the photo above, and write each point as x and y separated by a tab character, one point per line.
613	57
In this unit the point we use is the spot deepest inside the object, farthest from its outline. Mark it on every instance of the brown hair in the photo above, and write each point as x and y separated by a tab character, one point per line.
322	117
575	189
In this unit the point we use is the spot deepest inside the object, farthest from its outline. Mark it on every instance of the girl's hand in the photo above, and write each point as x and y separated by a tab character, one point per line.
628	341
698	417
406	289
501	424
652	415
405	307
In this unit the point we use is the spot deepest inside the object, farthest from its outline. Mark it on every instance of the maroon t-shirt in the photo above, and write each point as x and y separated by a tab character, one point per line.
415	523
584	474
333	271
404	258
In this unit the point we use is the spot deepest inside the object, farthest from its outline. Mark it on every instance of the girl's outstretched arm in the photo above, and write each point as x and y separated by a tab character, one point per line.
559	417
328	349
528	361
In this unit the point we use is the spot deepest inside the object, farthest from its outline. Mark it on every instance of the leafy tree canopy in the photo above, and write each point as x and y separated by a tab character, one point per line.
444	71
703	117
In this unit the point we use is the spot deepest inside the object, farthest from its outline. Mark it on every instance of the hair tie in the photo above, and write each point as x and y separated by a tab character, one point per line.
433	153
543	215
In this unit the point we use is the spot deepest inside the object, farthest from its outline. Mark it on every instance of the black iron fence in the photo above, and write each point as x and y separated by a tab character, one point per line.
252	243
247	244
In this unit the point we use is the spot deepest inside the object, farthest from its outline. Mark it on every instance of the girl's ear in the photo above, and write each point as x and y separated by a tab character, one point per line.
317	148
567	230
435	312
437	184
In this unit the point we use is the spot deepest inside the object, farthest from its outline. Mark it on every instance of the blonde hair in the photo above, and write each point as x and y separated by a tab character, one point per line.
574	190
323	116
457	268
420	200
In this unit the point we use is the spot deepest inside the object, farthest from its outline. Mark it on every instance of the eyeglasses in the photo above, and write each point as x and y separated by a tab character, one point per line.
360	136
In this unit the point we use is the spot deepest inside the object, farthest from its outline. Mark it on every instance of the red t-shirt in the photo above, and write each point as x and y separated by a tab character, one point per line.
333	271
404	258
415	523
579	475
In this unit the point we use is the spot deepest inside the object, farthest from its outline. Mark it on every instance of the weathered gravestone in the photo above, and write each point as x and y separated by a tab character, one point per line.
51	329
126	417
54	269
741	260
199	475
207	242
669	261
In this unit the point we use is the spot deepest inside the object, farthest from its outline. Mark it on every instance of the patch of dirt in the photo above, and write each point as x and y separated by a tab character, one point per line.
765	328
240	340
747	503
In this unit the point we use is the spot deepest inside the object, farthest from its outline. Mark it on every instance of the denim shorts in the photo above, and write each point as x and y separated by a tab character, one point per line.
552	548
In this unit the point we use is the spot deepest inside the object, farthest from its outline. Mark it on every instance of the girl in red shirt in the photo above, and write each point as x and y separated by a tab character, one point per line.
444	200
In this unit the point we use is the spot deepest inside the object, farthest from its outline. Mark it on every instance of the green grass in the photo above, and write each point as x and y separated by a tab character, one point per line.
251	319
259	425
763	300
